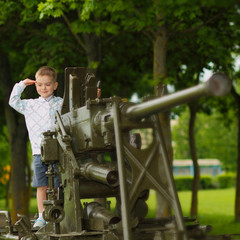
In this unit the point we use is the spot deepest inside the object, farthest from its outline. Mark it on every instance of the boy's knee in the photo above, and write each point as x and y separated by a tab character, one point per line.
42	189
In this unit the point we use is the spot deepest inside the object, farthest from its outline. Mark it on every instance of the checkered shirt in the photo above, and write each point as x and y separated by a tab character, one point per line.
39	114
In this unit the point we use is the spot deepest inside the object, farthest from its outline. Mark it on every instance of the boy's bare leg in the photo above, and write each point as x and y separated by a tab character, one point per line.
41	195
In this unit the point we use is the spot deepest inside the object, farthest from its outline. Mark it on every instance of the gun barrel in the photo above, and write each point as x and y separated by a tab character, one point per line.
96	210
101	173
218	85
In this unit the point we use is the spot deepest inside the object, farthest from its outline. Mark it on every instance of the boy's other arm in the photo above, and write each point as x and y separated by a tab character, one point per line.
15	97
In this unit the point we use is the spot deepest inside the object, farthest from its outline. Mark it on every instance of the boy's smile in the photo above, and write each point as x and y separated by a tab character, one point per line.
45	86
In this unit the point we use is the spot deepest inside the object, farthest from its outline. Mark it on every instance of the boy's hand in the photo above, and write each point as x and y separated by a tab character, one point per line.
98	89
98	92
28	81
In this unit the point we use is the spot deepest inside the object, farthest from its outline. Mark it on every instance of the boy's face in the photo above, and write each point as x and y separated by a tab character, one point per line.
45	85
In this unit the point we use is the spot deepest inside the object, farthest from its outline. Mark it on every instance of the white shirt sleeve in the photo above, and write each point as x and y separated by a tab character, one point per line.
15	100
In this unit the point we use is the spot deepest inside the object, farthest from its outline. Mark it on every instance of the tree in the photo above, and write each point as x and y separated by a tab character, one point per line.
73	29
236	97
163	22
17	133
18	36
18	146
30	52
211	137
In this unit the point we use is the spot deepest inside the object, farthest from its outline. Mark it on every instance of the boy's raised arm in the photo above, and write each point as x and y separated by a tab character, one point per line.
28	81
15	100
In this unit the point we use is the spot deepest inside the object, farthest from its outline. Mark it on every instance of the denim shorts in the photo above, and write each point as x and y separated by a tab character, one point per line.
39	177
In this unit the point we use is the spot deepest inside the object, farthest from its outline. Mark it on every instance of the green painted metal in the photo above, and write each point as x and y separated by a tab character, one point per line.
99	156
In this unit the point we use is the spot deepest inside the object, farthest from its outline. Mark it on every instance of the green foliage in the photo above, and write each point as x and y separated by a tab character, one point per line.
5	162
183	183
213	139
8	9
226	180
200	32
57	50
206	182
51	8
4	149
4	180
129	75
78	16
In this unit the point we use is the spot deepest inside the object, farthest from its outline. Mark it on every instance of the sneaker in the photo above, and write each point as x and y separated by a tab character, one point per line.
40	222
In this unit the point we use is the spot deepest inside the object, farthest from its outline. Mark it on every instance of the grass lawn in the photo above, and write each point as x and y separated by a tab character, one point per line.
216	208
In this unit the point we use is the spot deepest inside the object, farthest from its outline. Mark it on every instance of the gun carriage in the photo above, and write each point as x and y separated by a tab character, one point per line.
89	131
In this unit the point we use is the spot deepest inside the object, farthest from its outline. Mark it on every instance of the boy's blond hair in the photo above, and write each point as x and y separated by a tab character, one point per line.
46	70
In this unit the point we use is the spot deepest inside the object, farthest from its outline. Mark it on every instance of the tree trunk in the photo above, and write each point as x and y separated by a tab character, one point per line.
159	74
193	153
19	183
93	52
237	197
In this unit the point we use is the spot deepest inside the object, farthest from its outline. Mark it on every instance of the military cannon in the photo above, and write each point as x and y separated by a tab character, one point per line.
99	155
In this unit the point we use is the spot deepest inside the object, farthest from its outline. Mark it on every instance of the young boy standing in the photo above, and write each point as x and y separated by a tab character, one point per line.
40	117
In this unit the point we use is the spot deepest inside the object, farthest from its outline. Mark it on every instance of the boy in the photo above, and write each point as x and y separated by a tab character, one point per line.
40	117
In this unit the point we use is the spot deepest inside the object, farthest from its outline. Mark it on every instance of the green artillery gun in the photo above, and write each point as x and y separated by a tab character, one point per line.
99	155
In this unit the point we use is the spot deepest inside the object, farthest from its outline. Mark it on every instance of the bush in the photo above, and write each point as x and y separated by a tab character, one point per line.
226	180
183	183
206	182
